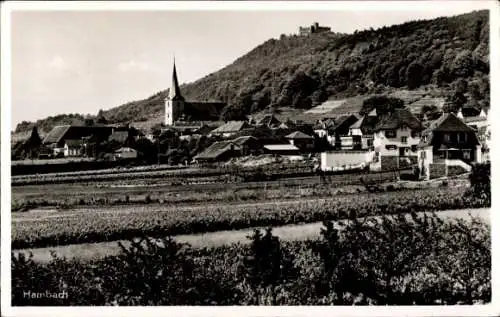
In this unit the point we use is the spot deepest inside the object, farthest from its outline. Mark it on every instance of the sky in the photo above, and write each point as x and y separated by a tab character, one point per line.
82	61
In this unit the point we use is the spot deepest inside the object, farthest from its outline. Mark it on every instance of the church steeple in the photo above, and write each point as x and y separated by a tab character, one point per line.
175	91
174	103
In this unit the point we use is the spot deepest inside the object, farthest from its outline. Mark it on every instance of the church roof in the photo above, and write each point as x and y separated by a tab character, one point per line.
175	91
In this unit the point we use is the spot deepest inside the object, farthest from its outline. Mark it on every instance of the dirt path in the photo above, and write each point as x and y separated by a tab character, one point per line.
90	251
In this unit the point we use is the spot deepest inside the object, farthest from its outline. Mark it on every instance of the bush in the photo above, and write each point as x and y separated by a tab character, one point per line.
396	260
480	182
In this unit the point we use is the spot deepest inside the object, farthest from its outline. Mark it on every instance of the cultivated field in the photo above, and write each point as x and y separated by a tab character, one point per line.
169	189
83	225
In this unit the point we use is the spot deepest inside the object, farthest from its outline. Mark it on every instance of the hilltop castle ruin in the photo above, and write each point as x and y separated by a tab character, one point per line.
312	29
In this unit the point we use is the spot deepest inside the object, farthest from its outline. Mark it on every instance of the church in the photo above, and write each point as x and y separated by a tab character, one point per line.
177	109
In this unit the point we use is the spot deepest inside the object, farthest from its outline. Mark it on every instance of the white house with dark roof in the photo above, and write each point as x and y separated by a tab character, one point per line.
396	139
301	140
447	142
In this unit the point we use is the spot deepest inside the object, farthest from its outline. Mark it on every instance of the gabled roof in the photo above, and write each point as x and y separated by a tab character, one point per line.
216	149
65	132
203	110
232	126
299	135
397	119
243	140
56	134
373	113
343	122
268	120
324	124
125	149
448	122
366	124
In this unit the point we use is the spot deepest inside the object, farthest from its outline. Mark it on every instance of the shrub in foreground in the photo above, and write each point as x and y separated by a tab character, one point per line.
390	261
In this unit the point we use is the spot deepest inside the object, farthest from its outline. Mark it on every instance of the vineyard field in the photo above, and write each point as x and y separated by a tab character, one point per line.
108	224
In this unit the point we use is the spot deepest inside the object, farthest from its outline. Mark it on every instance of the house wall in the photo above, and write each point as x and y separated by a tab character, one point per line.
302	144
425	158
70	151
127	155
321	133
331	160
380	142
355	132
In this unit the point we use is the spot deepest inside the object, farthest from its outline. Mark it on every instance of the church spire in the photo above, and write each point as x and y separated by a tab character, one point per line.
175	91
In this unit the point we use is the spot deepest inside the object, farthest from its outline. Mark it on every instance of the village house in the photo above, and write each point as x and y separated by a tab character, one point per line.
322	126
249	145
362	131
396	140
267	120
477	121
447	142
64	139
301	140
218	152
231	128
338	134
125	153
73	148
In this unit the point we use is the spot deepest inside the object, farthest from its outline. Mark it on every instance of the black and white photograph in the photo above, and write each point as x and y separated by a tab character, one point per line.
259	154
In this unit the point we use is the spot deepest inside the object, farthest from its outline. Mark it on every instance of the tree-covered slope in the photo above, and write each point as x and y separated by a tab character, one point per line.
299	72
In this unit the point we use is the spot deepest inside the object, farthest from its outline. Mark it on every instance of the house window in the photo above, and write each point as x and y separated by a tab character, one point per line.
414	148
423	155
390	134
447	137
402	151
391	147
466	154
369	142
404	139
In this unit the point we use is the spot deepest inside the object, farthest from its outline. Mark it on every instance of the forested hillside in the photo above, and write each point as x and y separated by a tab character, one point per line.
303	71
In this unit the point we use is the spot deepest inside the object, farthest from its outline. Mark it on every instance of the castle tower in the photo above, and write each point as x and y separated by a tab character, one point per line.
174	103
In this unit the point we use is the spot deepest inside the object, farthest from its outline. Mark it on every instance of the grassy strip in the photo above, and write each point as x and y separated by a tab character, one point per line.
392	262
88	227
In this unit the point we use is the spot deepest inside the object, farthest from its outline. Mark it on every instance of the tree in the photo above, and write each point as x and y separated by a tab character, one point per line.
88	122
148	151
463	64
414	74
382	104
100	118
430	112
